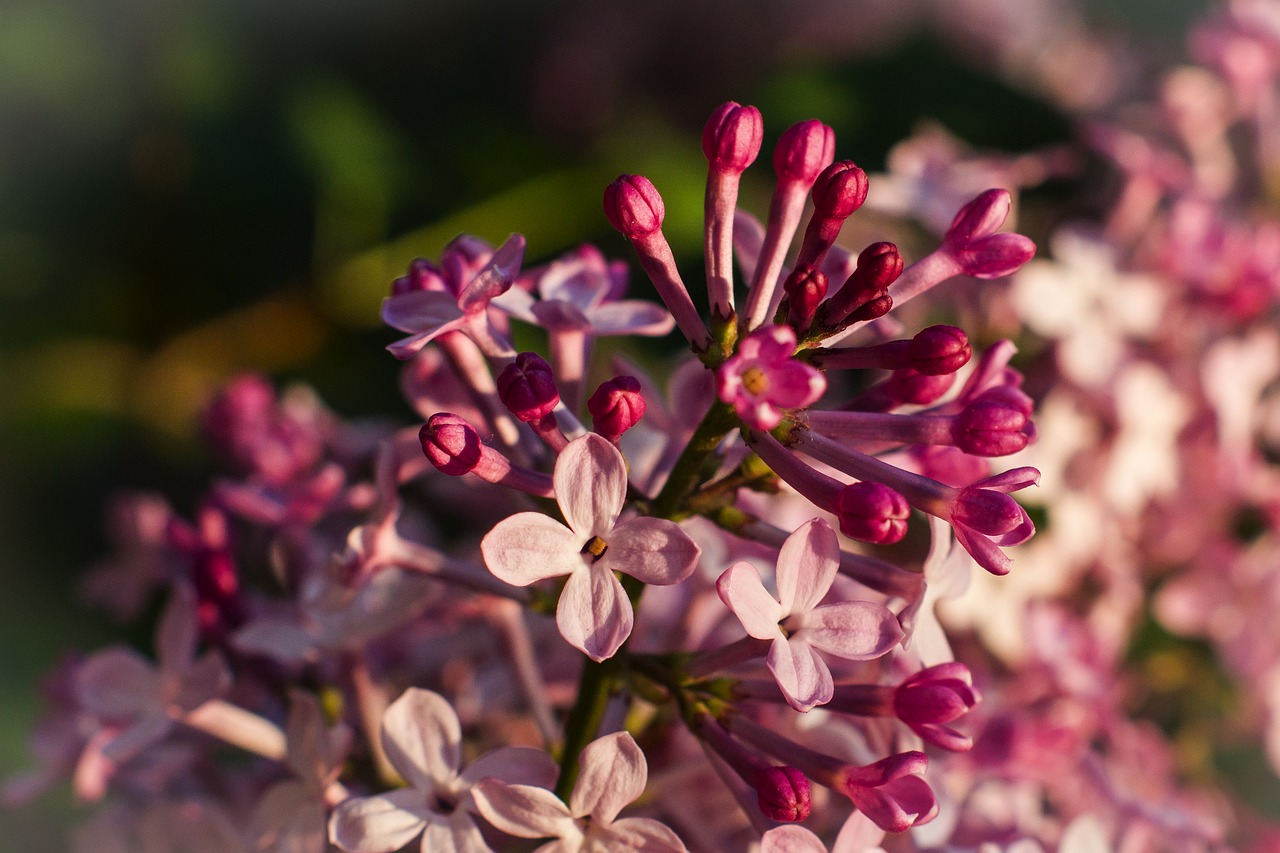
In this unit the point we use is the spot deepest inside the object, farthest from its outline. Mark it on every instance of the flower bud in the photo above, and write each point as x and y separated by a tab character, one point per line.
839	191
732	136
633	206
422	275
911	387
805	288
987	511
979	218
527	387
863	295
803	151
871	512
783	794
991	427
450	443
933	697
616	406
939	350
996	256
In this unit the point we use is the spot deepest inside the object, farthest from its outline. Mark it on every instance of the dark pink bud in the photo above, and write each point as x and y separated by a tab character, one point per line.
940	350
839	191
891	792
528	388
633	206
995	256
803	151
863	295
616	406
805	288
979	218
871	512
450	443
422	275
987	511
731	139
933	697
911	387
991	427
784	794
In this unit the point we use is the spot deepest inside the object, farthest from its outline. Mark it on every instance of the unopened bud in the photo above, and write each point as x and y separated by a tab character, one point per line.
979	218
450	443
732	136
872	512
911	387
616	406
803	151
633	206
839	191
805	288
422	275
783	794
990	427
940	350
995	256
527	387
863	295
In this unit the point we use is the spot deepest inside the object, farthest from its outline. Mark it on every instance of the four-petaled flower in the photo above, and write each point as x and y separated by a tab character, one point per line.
594	614
762	379
613	774
423	741
797	624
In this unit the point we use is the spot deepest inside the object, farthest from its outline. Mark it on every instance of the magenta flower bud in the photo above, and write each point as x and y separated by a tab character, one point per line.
805	288
839	191
988	512
933	697
995	256
863	295
939	350
991	427
911	387
731	139
803	151
979	218
527	387
450	443
422	275
891	792
784	794
871	512
633	206
616	406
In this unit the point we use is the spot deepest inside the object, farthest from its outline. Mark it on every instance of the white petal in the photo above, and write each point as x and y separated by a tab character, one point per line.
807	565
638	834
791	839
590	480
742	592
594	614
523	810
612	775
423	739
803	675
518	765
377	824
458	834
653	550
854	630
528	547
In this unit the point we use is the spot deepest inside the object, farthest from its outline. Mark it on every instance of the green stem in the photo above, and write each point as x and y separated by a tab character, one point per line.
684	476
594	687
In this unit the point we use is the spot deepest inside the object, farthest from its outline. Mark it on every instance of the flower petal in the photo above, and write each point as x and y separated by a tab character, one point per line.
631	317
118	683
791	838
612	774
898	805
653	550
807	565
793	385
420	311
853	630
496	278
637	834
458	834
518	765
523	810
742	592
423	739
594	614
590	480
528	547
801	673
177	634
377	824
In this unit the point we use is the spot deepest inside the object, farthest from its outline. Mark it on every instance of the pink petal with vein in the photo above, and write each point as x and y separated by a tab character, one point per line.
590	481
528	547
653	550
742	592
613	774
594	614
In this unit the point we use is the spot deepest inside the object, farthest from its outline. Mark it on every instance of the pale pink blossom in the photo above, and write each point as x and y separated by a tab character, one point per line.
594	614
762	379
613	773
798	624
423	741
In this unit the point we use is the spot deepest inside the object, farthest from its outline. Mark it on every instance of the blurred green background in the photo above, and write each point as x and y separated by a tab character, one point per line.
189	189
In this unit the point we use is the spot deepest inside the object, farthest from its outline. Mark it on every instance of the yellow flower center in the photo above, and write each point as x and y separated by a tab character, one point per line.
754	380
595	547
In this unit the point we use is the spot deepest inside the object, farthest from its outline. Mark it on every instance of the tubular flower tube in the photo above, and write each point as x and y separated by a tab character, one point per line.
803	151
903	387
730	141
986	427
633	206
455	448
982	513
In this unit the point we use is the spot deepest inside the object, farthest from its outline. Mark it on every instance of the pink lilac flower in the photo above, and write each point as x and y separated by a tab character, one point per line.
594	614
762	379
613	773
423	740
798	625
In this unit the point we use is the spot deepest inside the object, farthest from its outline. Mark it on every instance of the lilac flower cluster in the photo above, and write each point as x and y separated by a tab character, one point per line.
689	595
